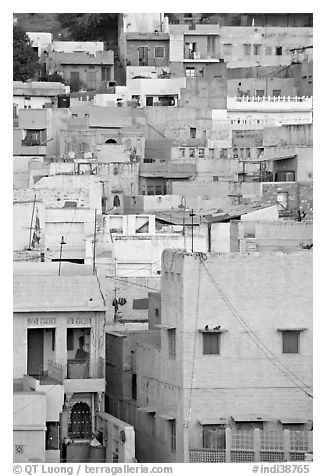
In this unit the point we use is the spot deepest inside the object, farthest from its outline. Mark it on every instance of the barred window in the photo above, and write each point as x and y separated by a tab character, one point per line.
159	52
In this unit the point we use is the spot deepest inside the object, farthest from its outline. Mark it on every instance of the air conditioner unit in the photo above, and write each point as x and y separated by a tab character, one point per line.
196	55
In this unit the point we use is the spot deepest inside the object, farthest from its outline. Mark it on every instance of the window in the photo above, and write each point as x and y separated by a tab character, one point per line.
134	386
277	92
215	178
250	425
290	342
173	435
158	190
214	437
159	52
257	49
227	48
249	229
247	49
116	201
192	152
52	435
193	132
282	199
278	51
285	176
150	190
247	152
156	312
293	426
74	76
223	153
35	137
211	343
268	50
260	92
70	339
172	343
201	153
149	100
211	153
182	152
190	72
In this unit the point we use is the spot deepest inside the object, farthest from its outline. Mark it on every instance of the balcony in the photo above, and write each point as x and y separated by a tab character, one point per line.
75	375
240	446
269	103
199	56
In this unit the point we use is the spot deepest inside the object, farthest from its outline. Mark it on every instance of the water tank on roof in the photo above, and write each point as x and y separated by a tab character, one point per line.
63	100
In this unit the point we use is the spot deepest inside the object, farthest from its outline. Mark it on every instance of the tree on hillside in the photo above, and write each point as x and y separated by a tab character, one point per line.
89	26
25	60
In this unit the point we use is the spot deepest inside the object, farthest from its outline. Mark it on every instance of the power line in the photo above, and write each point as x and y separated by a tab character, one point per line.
132	284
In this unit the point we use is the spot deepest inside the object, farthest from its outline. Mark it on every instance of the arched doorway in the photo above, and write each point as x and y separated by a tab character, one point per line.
111	141
116	201
80	421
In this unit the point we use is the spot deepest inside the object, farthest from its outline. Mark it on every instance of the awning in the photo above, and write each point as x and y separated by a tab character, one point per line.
167	175
147	409
167	417
212	331
249	417
268	159
289	420
213	421
164	326
292	329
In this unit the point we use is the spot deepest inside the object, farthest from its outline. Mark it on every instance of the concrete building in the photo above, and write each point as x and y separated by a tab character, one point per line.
285	109
36	132
40	41
216	376
37	95
82	70
245	46
54	316
91	47
94	131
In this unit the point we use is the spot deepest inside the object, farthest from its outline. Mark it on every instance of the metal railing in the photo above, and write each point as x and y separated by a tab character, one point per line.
255	445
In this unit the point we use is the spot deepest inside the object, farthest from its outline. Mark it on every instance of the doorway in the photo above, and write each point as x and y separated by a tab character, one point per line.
143	56
35	352
80	421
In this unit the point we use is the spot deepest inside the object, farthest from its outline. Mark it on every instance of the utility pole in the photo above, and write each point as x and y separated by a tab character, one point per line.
192	229
62	242
94	244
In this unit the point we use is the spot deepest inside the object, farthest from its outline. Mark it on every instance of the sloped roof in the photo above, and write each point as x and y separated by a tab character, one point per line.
56	293
176	217
234	212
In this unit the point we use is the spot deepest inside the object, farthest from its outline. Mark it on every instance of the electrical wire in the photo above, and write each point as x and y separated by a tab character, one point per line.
132	284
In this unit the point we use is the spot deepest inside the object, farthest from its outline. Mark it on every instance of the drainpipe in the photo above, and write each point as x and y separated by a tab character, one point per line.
209	229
